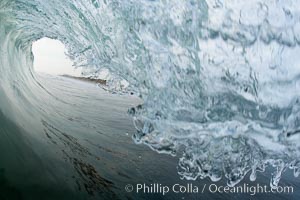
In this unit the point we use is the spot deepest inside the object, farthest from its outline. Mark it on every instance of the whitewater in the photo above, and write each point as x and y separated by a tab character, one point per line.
214	83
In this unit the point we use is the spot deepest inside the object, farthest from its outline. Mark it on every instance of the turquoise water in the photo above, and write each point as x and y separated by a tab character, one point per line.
91	158
82	157
213	83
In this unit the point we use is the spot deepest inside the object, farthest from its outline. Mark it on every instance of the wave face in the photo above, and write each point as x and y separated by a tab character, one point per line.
220	80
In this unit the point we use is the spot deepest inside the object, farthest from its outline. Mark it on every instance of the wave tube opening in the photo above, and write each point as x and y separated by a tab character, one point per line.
50	58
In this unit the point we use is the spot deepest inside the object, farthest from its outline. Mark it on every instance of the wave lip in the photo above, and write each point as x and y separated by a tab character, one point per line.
219	81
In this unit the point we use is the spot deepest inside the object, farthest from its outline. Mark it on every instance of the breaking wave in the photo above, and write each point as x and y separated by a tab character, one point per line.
220	80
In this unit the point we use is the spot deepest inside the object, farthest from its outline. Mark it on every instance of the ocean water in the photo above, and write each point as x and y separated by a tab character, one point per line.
213	83
84	157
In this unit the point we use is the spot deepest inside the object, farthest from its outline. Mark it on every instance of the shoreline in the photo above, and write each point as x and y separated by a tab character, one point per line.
86	79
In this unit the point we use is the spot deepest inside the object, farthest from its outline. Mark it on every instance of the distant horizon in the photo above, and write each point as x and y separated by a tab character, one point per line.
50	58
